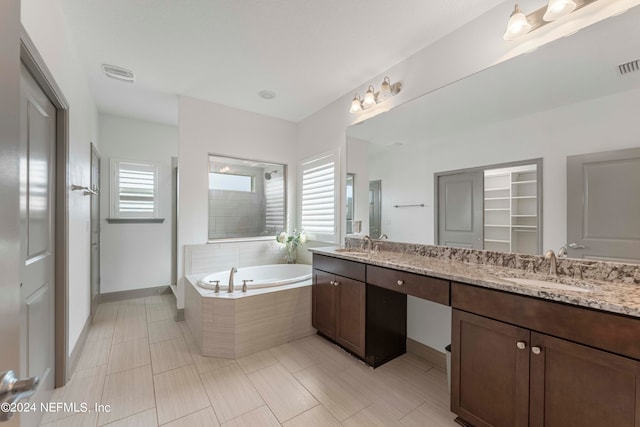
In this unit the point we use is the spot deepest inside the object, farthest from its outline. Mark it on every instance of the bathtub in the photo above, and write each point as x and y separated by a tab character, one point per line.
262	276
275	309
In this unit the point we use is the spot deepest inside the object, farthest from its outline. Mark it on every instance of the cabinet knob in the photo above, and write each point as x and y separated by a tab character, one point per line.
333	282
521	345
536	350
400	282
336	283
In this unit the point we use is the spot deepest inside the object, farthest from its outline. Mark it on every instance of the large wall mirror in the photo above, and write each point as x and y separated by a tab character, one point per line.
247	198
565	104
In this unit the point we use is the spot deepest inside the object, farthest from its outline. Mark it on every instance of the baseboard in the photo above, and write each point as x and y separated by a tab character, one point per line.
431	355
133	293
74	357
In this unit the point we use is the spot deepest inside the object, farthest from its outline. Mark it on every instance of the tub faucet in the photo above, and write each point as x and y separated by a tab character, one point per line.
383	237
553	267
231	273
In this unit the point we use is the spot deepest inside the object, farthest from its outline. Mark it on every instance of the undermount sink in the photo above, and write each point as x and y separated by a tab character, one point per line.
546	284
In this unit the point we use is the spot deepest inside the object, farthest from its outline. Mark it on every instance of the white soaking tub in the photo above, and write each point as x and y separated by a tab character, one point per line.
262	276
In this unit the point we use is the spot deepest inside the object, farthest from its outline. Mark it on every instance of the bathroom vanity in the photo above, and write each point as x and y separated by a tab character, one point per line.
522	354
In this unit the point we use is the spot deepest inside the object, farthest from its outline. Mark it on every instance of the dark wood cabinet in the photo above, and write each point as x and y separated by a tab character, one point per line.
368	321
506	374
350	314
490	378
339	310
324	303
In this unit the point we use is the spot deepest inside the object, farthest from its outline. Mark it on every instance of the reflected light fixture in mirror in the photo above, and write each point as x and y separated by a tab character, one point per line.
371	97
520	24
558	8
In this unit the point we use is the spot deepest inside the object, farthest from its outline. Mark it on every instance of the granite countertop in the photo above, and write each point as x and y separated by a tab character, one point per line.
620	298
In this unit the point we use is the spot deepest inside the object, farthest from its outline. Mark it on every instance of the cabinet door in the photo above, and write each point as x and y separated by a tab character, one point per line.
324	303
574	385
350	318
490	371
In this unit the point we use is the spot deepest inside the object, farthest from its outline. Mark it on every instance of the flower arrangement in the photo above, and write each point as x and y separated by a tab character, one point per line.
291	243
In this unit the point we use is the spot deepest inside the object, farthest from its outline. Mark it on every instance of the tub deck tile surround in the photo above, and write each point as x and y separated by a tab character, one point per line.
237	327
405	392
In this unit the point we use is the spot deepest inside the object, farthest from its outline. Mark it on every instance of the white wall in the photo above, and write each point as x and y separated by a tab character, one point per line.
207	128
136	256
44	22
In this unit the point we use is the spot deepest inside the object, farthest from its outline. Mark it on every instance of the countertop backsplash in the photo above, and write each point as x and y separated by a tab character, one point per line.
569	267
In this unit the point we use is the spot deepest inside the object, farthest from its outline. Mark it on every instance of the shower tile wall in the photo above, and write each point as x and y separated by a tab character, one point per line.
237	213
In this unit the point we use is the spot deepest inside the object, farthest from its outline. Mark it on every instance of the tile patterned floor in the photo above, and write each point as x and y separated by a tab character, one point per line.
147	367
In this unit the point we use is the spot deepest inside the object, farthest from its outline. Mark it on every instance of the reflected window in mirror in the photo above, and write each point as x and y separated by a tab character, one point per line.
247	198
349	202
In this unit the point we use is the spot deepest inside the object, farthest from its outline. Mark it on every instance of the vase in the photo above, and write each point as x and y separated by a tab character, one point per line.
290	256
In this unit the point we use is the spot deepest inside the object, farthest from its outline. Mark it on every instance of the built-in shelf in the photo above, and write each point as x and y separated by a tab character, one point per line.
508	200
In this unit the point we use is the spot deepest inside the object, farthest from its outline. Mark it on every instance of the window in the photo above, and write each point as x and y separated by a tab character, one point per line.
319	197
134	189
247	198
229	182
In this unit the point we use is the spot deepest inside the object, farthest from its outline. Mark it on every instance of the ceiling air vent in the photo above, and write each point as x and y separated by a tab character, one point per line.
629	67
118	73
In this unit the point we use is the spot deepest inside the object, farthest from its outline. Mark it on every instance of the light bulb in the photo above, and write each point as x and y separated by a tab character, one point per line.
369	98
356	106
517	26
556	9
385	90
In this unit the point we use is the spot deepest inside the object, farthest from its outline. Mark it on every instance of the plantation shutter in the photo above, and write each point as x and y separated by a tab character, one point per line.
274	204
134	190
319	195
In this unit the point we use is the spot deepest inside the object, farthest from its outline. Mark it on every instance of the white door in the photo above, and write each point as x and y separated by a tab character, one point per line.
37	205
603	206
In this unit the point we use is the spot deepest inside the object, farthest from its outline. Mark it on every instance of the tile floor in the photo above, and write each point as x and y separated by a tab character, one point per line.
148	369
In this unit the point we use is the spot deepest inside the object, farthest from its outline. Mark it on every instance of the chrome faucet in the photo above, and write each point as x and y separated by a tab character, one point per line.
383	237
553	268
231	273
366	243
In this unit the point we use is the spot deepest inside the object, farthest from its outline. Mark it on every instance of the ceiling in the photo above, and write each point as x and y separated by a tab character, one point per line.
569	70
308	52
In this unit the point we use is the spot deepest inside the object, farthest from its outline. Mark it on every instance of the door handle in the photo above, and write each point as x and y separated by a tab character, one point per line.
10	384
14	390
575	246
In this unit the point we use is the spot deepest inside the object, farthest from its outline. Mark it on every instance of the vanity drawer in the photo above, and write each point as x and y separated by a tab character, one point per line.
341	267
425	287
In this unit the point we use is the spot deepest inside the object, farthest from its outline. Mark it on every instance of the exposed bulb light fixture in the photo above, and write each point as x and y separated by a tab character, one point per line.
521	24
558	8
371	97
356	104
518	25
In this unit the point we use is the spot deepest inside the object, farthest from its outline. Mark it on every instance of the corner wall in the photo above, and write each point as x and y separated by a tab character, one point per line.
136	256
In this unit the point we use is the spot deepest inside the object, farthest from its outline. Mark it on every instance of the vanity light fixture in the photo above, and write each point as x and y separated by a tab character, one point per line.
371	97
521	24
